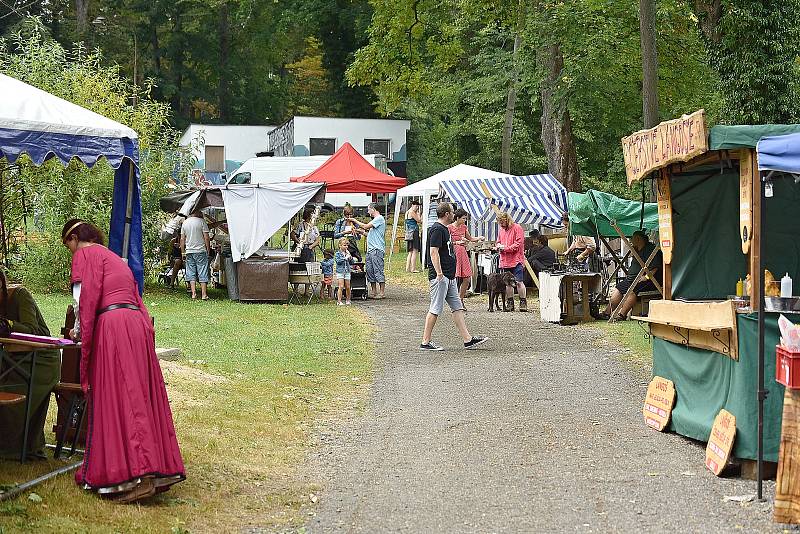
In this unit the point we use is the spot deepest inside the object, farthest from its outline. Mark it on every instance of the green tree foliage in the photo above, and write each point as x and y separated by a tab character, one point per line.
55	193
446	65
754	46
218	60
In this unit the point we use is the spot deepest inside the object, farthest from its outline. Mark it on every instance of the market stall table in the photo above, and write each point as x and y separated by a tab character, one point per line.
557	302
18	346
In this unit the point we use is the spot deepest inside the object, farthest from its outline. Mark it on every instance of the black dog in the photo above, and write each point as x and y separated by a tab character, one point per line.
497	284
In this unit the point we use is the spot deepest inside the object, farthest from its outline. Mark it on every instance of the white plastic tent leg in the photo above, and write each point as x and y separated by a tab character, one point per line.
397	205
426	206
126	236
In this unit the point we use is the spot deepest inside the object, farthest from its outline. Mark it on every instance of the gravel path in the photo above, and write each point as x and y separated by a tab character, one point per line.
540	432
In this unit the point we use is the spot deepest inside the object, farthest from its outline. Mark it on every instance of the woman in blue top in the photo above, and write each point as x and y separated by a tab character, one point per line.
342	228
343	261
413	241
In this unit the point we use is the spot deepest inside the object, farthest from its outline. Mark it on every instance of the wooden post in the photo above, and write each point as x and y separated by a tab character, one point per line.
787	485
746	199
756	282
665	231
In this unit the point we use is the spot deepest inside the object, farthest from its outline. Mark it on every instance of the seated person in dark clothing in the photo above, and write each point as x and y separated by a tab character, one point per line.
541	257
644	248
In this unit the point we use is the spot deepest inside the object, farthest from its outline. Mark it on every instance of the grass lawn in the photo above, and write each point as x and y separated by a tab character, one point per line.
631	335
252	380
396	271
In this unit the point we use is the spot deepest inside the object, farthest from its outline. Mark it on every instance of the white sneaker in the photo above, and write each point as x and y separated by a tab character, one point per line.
340	303
348	303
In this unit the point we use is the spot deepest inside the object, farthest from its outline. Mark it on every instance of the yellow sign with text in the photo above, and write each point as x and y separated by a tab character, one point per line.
720	442
658	403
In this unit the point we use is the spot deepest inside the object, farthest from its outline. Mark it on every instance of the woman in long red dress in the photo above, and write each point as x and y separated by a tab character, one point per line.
131	448
460	235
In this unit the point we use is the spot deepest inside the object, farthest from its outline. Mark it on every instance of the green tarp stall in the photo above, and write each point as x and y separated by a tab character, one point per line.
707	261
706	381
591	214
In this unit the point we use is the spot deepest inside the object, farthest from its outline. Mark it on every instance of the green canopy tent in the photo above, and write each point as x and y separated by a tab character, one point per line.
594	213
603	215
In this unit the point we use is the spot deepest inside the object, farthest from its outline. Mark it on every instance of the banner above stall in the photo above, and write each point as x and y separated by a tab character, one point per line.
670	142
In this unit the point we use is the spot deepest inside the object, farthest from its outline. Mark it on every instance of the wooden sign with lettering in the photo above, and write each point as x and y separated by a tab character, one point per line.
658	403
746	199
720	442
665	216
677	140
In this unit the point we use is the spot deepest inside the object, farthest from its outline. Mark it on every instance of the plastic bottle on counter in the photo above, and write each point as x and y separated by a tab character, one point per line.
739	288
786	286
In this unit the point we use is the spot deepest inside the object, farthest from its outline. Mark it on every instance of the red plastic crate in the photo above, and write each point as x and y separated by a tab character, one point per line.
787	367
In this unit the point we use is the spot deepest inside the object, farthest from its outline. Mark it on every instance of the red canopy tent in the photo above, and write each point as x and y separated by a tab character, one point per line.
348	172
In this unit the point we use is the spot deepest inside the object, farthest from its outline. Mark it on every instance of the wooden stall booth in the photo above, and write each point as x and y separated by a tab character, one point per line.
705	339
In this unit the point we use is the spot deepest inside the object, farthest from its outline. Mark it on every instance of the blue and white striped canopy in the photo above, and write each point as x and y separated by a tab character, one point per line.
537	199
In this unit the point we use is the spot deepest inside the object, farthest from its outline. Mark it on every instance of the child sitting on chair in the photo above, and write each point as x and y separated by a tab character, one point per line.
327	275
344	266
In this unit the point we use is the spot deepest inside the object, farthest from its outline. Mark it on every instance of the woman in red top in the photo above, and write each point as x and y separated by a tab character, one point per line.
460	235
131	448
511	245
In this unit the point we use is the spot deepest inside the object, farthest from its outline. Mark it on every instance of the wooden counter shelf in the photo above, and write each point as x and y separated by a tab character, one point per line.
709	325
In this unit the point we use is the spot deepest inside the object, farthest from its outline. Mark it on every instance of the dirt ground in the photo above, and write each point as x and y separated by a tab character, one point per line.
540	431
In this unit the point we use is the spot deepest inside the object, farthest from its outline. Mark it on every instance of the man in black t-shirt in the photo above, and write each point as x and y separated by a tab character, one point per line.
441	264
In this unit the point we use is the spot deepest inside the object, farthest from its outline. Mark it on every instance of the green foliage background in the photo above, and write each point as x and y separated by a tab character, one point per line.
54	193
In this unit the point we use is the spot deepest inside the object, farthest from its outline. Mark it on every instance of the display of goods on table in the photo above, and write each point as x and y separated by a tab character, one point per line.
479	246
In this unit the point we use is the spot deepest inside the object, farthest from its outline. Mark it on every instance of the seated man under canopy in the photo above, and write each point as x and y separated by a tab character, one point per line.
582	247
540	257
644	248
19	313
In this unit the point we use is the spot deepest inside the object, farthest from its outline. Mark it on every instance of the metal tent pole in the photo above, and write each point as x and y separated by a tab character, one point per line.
762	394
126	236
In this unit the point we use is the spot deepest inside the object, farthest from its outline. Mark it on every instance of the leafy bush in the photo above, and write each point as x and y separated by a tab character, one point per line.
54	193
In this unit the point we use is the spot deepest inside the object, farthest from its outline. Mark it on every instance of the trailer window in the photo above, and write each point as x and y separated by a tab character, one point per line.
376	146
321	146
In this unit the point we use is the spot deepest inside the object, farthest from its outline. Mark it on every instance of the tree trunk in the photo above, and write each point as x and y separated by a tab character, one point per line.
709	13
223	98
82	16
647	32
559	143
511	103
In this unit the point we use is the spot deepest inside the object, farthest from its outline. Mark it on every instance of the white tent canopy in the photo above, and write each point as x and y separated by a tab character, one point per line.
24	107
430	187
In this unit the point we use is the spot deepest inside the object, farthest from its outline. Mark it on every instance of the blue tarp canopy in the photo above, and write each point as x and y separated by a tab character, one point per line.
779	153
43	126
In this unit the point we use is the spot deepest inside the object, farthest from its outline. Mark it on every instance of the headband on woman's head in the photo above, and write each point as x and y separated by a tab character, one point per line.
71	228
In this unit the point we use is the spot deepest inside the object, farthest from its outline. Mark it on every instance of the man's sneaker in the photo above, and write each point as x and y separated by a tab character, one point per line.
430	345
475	341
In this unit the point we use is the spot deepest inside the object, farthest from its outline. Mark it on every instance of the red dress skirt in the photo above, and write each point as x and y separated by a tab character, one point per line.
463	266
130	430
